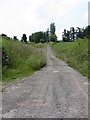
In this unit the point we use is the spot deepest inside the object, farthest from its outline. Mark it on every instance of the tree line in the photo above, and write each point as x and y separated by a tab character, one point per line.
49	35
73	34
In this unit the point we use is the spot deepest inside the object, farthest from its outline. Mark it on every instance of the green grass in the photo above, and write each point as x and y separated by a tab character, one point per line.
75	54
25	59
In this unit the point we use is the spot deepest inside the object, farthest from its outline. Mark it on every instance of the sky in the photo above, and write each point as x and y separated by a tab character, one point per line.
28	16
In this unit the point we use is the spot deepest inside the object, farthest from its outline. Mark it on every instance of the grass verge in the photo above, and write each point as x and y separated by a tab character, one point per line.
75	54
24	59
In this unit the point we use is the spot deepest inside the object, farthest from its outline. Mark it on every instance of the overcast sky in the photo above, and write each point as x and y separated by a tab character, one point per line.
28	16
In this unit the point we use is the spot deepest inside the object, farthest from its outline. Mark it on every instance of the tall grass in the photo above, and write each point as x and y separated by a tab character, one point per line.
25	59
75	54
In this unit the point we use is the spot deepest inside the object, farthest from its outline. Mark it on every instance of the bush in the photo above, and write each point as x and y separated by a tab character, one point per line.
5	59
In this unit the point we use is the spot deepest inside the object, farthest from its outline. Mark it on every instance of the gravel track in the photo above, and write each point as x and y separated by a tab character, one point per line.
56	91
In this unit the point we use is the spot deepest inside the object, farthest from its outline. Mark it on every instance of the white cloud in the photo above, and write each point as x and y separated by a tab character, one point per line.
27	16
85	17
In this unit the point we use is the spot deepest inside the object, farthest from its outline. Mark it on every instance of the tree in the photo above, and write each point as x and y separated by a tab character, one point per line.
24	38
66	35
30	38
46	36
15	37
52	28
87	31
36	37
42	40
72	33
4	35
75	33
53	38
80	32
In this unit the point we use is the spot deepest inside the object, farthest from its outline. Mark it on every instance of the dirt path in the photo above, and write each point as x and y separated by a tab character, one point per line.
56	91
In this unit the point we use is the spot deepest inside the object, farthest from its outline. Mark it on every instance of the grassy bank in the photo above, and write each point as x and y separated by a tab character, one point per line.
75	54
23	59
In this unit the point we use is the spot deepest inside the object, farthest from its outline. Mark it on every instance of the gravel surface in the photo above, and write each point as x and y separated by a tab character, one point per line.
56	91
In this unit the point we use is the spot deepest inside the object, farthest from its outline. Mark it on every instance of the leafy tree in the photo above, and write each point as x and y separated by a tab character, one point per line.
24	38
66	35
53	38
30	38
4	35
72	33
52	28
87	31
15	37
36	37
80	32
44	36
42	40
